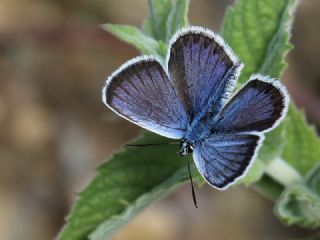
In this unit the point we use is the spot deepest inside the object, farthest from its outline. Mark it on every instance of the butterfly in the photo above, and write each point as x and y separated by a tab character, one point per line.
190	100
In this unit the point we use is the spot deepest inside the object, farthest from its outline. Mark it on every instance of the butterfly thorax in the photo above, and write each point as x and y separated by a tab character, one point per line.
199	129
185	149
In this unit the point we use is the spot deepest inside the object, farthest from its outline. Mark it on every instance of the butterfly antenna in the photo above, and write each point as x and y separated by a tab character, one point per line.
150	144
192	188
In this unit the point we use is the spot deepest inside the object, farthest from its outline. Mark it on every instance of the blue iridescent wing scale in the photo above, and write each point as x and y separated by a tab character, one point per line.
257	107
236	132
203	70
223	158
141	92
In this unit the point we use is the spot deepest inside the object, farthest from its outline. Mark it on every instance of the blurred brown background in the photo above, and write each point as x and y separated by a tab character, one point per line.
54	130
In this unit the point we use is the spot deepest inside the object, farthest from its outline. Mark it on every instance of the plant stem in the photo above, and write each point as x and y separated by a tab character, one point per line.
282	172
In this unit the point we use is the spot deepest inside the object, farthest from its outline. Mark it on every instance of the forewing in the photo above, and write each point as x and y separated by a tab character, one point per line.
203	70
141	92
258	106
221	159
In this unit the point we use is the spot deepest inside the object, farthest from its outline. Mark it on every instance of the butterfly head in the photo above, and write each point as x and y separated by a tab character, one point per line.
185	149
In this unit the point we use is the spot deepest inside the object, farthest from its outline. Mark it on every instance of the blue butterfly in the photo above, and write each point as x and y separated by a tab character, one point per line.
191	100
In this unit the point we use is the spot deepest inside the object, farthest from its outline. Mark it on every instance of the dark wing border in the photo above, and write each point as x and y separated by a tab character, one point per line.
282	90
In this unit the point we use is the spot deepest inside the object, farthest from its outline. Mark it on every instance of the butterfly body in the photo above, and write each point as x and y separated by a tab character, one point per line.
201	128
190	99
185	148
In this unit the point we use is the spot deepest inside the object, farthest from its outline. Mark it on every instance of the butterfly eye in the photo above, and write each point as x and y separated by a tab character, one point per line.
190	148
184	149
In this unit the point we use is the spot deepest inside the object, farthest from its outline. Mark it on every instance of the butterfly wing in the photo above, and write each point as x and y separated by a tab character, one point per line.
223	158
141	92
203	70
236	132
257	107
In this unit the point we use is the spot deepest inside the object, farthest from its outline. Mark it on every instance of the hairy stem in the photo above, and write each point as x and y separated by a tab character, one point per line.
282	172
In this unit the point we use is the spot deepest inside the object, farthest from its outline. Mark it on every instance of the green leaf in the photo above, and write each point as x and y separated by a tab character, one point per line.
268	187
178	17
300	204
125	184
133	36
147	28
108	227
302	149
274	143
155	25
271	149
258	31
274	63
254	174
